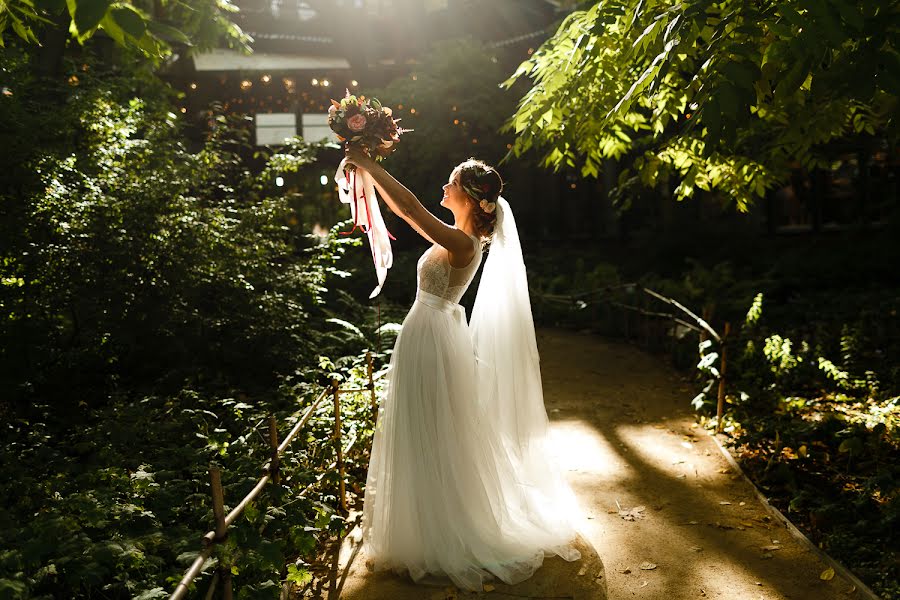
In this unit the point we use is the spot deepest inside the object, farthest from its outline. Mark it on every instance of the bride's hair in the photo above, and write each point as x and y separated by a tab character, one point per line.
481	182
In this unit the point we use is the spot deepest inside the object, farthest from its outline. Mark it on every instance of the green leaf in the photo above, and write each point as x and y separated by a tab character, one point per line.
852	445
22	31
112	29
87	14
153	594
791	80
168	33
129	20
347	325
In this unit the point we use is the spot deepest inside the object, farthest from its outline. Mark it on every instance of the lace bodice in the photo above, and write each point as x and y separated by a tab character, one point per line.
435	274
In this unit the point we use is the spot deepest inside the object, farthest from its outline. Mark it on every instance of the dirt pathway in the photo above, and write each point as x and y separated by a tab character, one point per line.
655	491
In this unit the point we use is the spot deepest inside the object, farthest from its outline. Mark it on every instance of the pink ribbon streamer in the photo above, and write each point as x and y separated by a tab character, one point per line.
357	189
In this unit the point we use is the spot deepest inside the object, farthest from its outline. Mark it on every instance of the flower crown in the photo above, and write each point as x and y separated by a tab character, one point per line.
476	191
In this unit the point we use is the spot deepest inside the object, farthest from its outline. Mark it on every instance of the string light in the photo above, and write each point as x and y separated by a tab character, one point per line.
474	140
193	85
412	111
266	78
354	82
456	121
323	179
314	81
279	181
325	83
246	84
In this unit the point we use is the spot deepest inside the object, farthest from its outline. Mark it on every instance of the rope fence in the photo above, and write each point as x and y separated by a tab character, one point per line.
272	473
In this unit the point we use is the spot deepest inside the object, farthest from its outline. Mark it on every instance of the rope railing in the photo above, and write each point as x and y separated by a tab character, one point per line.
271	472
691	321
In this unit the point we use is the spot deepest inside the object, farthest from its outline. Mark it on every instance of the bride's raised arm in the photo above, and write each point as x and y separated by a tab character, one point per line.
404	203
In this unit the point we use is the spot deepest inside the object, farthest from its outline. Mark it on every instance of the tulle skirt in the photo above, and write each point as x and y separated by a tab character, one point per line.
442	496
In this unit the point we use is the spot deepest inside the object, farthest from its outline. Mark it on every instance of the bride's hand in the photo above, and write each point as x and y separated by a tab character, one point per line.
356	156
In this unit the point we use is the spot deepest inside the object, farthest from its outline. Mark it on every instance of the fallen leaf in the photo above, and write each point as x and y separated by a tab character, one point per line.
770	548
723	502
827	574
724	471
687	445
644	583
624	571
582	571
633	514
648	566
746	524
696	548
682	476
742	504
768	555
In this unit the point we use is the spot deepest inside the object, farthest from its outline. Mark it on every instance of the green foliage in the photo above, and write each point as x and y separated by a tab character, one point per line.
722	95
127	256
156	304
818	424
119	512
194	23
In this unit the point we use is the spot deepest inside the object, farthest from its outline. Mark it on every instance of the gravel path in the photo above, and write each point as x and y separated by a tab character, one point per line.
666	518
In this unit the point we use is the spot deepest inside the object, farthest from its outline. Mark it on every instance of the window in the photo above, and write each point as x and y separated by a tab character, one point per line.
274	128
316	129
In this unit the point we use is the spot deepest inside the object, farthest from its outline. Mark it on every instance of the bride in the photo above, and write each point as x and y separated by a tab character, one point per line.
461	482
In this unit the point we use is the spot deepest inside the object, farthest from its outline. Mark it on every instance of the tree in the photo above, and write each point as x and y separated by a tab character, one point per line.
725	95
150	27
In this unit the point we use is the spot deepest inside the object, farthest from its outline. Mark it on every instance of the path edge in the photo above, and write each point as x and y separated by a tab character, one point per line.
796	533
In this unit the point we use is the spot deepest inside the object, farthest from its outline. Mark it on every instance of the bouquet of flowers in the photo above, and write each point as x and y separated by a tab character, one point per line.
365	122
357	120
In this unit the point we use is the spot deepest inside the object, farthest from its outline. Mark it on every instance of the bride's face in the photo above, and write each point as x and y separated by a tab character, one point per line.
454	196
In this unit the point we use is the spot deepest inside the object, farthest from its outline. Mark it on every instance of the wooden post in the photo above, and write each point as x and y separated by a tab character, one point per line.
370	369
720	407
336	390
218	499
273	442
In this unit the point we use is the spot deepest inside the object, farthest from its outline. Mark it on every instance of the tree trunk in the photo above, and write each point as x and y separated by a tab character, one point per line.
48	59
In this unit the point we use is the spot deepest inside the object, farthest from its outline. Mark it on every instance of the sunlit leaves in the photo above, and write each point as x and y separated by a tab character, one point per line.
729	92
201	23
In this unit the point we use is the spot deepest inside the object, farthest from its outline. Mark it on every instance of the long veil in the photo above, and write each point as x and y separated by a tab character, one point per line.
509	379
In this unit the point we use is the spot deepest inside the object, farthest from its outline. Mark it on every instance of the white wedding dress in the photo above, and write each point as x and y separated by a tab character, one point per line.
445	495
